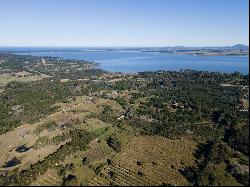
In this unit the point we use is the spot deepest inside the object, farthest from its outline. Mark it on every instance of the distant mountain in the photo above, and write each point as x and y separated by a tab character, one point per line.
240	46
235	50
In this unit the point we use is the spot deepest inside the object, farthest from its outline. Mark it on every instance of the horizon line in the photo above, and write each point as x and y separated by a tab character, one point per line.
124	46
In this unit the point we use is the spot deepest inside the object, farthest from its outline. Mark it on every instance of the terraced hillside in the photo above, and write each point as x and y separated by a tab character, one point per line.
50	178
149	161
99	151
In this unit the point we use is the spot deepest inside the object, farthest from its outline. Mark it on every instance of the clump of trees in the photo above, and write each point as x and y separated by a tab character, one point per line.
238	138
114	142
70	180
107	115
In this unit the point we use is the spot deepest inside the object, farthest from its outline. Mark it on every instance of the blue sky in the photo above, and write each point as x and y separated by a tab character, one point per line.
99	23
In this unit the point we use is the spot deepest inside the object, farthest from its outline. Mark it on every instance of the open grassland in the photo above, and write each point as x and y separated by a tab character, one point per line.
24	135
93	124
22	76
87	104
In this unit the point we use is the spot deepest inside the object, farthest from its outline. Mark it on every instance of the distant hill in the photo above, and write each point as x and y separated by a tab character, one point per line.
240	46
234	47
235	50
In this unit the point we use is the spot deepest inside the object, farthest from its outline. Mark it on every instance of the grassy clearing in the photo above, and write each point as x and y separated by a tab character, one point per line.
245	103
229	85
100	131
25	135
93	124
20	77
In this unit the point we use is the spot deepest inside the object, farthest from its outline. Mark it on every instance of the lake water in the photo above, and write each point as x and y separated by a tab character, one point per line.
22	149
136	61
12	162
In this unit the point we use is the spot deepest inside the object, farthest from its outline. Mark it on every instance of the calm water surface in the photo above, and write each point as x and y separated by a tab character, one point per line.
136	61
